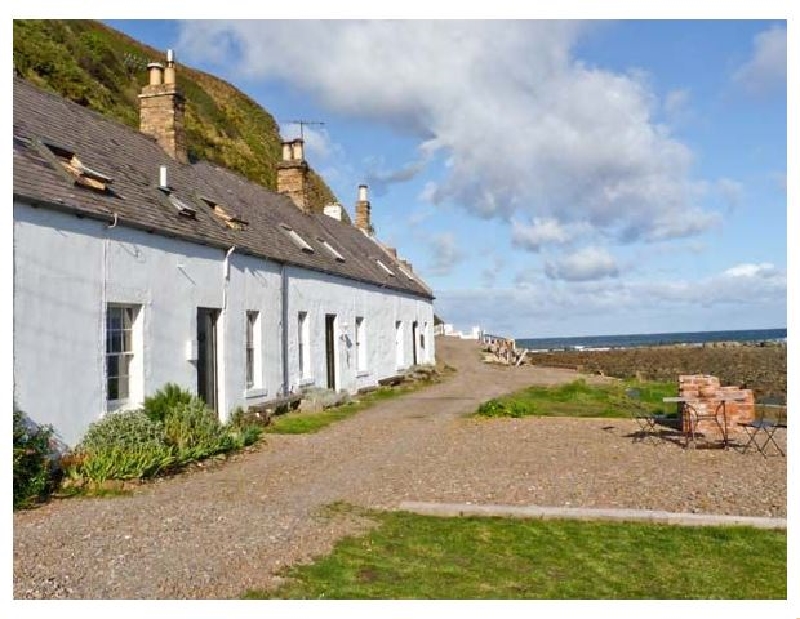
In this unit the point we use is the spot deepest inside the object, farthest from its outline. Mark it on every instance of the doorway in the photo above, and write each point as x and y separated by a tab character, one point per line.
398	343
414	326
330	350
207	319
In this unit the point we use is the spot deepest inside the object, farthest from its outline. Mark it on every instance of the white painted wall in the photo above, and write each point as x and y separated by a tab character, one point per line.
67	269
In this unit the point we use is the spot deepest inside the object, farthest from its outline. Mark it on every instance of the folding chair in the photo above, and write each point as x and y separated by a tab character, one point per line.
766	427
645	419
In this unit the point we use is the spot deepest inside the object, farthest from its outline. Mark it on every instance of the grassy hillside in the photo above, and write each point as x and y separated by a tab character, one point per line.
103	69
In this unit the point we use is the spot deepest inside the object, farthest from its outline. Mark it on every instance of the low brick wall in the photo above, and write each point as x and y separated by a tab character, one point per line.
706	390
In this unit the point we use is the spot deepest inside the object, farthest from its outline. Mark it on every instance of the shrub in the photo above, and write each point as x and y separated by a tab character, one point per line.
195	431
168	397
496	408
32	460
124	445
123	429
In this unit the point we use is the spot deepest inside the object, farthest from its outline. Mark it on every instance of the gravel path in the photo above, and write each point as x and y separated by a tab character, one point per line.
215	534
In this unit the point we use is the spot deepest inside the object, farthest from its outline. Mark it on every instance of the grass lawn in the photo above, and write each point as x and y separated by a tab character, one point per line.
424	557
303	422
579	399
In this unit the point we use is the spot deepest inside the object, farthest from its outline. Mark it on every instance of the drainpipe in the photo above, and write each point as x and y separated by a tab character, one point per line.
222	394
285	328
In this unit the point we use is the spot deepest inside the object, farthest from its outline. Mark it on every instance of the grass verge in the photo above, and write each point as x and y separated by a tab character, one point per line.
303	422
424	557
580	399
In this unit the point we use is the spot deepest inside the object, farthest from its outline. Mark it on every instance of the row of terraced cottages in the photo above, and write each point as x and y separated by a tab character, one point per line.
134	267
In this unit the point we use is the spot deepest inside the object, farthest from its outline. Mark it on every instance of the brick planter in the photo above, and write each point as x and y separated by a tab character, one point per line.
706	390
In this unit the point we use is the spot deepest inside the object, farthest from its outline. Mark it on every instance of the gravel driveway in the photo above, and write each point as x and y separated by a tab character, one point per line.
215	534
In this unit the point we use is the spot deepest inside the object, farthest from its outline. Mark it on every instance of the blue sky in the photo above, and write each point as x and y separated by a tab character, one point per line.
545	178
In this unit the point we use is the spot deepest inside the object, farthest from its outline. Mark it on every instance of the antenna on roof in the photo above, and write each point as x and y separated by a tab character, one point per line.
303	123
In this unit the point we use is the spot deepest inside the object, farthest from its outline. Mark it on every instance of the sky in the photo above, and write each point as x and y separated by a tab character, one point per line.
545	178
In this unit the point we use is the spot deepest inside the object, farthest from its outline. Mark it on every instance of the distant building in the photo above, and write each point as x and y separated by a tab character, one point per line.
134	267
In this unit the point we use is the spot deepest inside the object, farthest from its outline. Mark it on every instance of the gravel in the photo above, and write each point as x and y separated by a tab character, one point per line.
217	532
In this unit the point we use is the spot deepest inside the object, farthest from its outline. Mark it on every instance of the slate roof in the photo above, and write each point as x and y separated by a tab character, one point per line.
132	160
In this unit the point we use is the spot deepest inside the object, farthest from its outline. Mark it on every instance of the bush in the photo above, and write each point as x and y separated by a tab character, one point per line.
32	460
162	401
124	445
195	431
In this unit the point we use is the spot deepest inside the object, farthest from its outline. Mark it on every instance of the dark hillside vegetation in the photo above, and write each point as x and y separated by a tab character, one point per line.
102	69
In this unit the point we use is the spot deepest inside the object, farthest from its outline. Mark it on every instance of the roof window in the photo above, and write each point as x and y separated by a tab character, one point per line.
183	208
83	175
231	221
297	239
331	249
385	268
406	273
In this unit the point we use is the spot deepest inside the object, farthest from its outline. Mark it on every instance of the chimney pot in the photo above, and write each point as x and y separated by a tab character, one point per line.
287	151
170	56
362	193
363	222
169	72
155	69
162	177
297	149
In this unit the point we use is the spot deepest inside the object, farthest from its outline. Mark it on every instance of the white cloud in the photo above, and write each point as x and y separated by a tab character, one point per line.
492	269
543	232
765	71
586	264
445	254
747	270
732	192
753	293
525	127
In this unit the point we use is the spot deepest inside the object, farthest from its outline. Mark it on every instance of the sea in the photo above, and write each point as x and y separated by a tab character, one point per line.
636	340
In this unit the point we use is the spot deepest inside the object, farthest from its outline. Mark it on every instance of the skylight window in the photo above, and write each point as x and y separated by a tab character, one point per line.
231	221
183	208
83	175
297	239
385	268
331	250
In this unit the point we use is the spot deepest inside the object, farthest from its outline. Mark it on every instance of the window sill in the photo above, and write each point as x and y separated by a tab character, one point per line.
362	373
116	406
255	392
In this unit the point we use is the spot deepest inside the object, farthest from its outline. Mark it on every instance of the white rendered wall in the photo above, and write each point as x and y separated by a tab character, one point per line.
319	294
67	269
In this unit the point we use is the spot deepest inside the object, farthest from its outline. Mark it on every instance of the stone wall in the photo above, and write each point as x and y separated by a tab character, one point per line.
162	111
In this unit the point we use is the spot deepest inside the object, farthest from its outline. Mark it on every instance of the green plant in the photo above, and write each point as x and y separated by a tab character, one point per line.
32	460
195	431
496	408
162	401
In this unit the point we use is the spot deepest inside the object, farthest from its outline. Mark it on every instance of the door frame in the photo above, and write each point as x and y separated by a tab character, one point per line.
331	352
214	314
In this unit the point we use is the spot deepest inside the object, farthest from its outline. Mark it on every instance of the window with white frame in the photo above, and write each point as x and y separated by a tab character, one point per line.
251	348
302	344
331	249
388	271
361	349
120	320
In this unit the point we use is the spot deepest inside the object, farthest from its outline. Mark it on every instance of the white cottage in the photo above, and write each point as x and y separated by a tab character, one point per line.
134	267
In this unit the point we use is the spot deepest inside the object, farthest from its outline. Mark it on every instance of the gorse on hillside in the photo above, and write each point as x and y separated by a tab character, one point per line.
103	69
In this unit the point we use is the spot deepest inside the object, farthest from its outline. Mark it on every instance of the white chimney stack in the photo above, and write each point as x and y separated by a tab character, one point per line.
362	193
334	210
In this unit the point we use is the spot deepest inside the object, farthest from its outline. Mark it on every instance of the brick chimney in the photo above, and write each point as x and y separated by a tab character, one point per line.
163	108
292	174
363	222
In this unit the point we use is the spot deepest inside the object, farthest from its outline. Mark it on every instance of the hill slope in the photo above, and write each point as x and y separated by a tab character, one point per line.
103	69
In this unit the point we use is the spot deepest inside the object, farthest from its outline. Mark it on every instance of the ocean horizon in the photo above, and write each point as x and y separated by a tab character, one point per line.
634	340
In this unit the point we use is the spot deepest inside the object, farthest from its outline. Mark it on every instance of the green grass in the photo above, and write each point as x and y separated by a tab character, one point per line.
423	557
580	399
304	423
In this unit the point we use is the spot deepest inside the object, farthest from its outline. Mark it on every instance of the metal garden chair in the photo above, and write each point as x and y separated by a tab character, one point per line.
647	421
